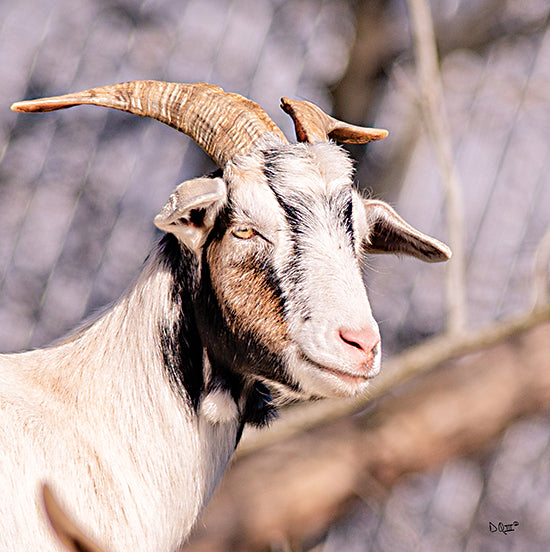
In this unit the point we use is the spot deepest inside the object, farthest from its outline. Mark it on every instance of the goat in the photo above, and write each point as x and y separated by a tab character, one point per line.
253	296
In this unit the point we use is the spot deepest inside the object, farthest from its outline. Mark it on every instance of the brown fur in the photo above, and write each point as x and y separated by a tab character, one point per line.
246	295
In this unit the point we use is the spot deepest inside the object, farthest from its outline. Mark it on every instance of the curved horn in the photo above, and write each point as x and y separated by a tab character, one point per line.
223	124
314	125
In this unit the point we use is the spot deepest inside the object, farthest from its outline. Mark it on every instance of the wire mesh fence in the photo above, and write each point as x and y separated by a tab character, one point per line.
79	190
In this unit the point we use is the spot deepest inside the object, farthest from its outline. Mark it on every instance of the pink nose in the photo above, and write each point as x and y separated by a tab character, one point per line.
363	341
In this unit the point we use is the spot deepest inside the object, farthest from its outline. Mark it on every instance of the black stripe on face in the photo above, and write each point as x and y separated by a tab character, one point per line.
293	210
295	214
298	212
342	207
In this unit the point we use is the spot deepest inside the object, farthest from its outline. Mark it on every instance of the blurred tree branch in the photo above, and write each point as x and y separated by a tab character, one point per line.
432	107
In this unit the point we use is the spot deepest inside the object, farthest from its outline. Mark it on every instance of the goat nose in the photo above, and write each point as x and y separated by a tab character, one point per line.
364	341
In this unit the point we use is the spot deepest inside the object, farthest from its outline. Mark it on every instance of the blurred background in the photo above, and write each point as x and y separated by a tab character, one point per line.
439	460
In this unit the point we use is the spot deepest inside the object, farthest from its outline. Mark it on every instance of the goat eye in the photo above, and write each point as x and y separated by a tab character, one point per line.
244	232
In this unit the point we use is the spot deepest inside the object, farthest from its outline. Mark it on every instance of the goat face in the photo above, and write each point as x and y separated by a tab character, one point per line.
279	240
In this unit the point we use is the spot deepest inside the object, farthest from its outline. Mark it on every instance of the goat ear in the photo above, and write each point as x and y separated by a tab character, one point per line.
191	210
69	534
389	233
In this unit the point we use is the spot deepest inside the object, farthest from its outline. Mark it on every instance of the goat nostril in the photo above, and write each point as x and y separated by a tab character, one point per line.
364	340
349	341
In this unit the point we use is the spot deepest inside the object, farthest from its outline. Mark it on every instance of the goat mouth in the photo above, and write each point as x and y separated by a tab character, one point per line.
353	378
347	377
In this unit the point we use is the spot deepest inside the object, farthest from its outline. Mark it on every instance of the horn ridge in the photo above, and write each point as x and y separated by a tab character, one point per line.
223	124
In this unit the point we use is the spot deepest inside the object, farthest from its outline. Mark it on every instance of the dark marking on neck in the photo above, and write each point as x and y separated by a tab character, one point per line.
259	409
198	324
180	340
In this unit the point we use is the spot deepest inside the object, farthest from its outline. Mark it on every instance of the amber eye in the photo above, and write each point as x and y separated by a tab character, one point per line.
244	232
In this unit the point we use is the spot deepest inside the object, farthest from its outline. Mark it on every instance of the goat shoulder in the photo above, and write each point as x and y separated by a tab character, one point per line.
100	418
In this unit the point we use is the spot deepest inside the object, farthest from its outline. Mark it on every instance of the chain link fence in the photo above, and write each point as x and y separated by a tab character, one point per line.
79	190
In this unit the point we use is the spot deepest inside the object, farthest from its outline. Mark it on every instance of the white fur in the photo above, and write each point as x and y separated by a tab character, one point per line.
218	407
97	419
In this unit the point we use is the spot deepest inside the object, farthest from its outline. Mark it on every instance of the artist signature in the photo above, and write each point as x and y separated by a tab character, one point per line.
503	528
